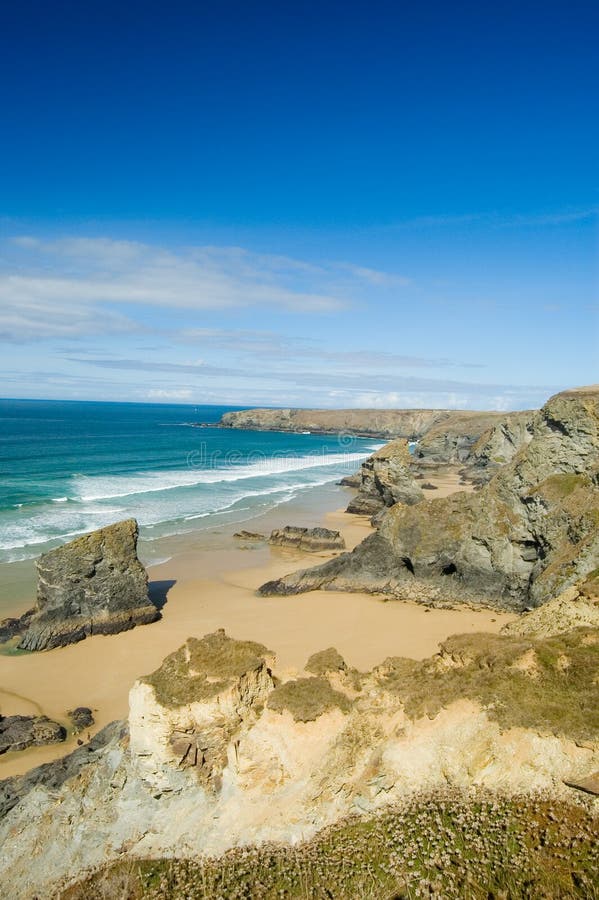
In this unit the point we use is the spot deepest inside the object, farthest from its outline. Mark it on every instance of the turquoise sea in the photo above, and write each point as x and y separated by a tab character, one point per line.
69	467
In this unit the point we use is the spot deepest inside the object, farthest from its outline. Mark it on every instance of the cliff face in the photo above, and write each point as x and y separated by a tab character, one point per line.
385	423
499	444
526	536
483	439
222	754
386	478
92	585
452	440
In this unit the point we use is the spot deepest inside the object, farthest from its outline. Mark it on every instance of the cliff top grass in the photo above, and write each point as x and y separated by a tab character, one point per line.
307	699
549	684
329	660
204	667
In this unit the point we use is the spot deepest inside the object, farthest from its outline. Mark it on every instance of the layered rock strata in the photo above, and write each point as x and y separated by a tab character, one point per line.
93	585
526	536
221	753
311	540
385	478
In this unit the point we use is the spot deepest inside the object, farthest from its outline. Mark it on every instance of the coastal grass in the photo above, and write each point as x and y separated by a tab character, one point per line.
307	698
202	668
549	684
446	847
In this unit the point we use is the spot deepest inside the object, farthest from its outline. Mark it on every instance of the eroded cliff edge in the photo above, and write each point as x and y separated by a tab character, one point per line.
222	751
528	534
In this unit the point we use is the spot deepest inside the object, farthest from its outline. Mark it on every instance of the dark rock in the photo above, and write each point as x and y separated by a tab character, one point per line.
21	732
365	505
524	537
310	539
12	628
81	717
386	477
54	774
429	486
453	439
249	535
92	585
352	481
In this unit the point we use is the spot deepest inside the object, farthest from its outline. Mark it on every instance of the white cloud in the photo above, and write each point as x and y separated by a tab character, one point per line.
70	286
176	394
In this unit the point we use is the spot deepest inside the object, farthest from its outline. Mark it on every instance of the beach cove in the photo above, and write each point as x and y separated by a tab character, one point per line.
209	582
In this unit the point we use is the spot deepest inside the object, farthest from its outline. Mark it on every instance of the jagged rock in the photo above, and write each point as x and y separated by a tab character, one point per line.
523	538
308	539
196	702
498	445
11	628
452	440
244	535
92	585
386	478
51	776
573	608
81	717
21	732
352	481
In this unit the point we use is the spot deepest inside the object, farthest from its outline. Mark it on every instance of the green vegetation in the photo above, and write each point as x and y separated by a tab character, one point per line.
329	660
557	487
201	668
550	684
446	848
307	698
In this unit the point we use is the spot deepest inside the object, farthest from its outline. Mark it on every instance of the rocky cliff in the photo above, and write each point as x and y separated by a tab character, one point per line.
498	445
221	753
525	537
93	585
451	440
445	437
385	423
385	478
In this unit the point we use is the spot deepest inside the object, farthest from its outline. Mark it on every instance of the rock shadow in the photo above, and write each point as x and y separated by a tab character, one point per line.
158	592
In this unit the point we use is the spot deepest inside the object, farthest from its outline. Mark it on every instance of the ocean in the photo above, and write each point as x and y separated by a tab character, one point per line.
68	467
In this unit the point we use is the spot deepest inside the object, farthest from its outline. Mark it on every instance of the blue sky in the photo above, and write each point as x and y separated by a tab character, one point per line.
332	204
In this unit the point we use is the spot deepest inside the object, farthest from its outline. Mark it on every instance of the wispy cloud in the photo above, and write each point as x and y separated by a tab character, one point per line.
500	220
72	285
259	343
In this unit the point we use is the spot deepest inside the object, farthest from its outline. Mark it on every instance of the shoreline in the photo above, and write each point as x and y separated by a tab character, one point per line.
208	583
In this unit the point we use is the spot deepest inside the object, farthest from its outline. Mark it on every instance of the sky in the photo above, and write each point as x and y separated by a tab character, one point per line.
299	204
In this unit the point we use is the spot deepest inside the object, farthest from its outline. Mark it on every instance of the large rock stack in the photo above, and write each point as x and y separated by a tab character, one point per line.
92	585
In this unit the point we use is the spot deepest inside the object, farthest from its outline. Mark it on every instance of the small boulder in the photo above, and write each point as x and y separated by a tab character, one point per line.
21	732
309	539
244	535
81	717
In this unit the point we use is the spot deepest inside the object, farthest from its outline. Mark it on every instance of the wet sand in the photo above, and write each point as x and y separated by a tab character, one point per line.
211	584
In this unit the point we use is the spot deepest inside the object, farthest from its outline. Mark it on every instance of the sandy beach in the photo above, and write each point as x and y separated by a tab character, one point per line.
210	583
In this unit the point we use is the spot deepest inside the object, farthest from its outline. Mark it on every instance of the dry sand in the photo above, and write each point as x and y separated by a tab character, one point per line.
214	588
